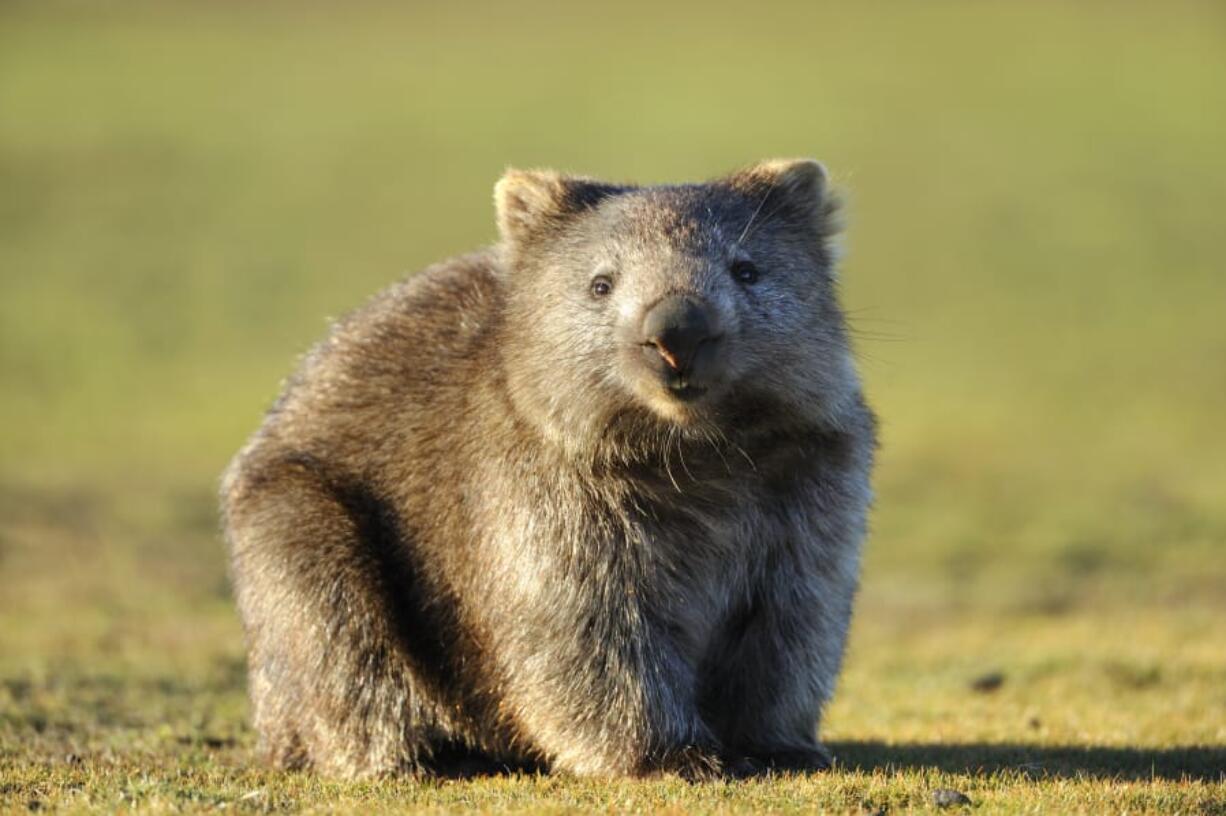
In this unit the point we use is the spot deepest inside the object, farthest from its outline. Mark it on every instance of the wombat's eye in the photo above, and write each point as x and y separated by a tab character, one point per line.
744	272
602	285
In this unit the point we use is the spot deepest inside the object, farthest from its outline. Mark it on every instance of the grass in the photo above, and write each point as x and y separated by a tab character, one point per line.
1033	271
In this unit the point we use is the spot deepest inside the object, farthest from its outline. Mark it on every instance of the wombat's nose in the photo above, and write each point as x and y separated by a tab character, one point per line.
675	327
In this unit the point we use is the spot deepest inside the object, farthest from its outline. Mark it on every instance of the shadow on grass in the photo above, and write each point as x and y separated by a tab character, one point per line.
1201	762
1188	763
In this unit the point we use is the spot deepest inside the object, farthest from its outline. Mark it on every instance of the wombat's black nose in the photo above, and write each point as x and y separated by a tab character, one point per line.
675	327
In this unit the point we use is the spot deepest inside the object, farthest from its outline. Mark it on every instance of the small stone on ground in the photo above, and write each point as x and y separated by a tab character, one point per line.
947	797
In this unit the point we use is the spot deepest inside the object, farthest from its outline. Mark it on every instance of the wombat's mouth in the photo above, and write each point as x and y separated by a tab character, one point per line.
686	392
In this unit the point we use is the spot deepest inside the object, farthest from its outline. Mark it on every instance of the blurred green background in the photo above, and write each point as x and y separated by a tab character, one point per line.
1035	268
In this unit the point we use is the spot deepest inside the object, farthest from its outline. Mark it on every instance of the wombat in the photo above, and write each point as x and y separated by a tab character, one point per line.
590	500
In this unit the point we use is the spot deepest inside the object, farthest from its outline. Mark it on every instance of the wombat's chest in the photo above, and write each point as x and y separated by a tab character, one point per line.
704	571
679	571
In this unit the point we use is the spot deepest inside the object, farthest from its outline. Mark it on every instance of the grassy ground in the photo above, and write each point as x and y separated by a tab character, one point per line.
1034	271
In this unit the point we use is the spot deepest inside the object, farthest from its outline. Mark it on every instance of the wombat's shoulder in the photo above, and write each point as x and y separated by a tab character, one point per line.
398	360
436	313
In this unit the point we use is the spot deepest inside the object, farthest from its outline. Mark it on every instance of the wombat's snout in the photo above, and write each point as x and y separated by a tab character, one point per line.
678	339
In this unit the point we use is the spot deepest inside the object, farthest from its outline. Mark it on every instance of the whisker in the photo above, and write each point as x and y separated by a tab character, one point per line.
681	456
766	218
709	434
745	454
668	446
749	224
877	337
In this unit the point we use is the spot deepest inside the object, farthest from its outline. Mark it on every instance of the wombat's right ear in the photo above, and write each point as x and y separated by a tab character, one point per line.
529	202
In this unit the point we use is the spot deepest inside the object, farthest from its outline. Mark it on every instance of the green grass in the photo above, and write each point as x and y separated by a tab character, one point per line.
1034	271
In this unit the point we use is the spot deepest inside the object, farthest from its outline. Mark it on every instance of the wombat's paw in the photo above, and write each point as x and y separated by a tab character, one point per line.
743	767
693	763
796	760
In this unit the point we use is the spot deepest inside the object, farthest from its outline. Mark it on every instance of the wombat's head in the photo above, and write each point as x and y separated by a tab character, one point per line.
700	308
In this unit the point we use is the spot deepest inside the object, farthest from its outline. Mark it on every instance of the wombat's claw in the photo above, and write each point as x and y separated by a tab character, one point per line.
743	767
693	763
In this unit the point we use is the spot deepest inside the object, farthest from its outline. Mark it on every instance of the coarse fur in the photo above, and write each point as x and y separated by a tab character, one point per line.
486	522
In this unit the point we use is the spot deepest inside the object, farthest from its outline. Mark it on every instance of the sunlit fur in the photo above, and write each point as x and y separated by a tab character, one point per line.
477	526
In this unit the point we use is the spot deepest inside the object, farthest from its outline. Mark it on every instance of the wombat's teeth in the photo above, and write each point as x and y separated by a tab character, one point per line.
684	390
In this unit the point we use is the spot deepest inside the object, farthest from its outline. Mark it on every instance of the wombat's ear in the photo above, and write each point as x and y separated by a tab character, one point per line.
529	201
798	186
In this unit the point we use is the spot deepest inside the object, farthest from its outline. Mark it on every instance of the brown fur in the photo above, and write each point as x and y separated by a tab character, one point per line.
478	524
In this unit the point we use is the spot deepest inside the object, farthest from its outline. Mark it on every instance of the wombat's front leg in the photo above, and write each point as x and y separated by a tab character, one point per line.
609	697
766	682
641	722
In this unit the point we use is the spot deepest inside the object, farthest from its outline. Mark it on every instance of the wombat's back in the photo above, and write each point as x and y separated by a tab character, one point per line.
391	370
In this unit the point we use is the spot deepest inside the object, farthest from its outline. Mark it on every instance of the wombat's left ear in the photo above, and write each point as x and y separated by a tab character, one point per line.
797	185
531	202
